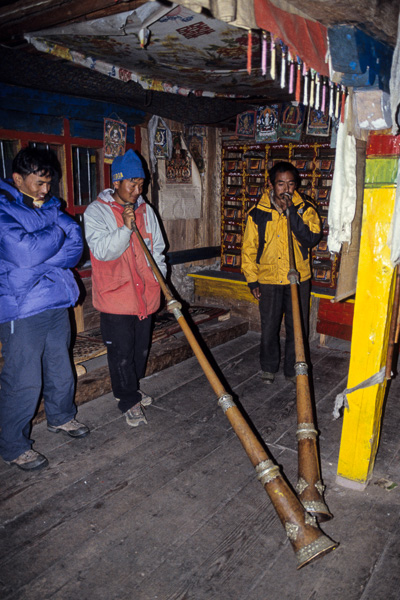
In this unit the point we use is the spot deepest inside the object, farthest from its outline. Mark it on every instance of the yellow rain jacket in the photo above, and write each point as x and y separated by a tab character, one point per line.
265	255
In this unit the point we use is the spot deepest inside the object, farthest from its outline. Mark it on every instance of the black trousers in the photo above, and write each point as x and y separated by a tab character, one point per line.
127	339
275	302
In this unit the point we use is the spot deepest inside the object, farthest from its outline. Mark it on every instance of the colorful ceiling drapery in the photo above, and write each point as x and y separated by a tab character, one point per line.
193	53
305	38
186	52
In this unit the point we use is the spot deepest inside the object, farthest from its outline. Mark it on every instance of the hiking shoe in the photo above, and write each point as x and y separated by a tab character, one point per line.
71	428
267	377
146	399
30	460
291	379
135	415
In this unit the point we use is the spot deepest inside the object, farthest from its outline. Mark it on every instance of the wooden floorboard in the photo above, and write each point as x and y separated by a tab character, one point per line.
173	510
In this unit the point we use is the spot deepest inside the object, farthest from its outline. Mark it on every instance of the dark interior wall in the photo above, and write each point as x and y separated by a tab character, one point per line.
24	109
189	234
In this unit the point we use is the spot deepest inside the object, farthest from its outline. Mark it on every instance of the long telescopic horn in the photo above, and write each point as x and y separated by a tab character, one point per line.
302	530
309	488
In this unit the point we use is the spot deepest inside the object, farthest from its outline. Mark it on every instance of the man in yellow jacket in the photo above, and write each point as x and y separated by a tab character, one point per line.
265	263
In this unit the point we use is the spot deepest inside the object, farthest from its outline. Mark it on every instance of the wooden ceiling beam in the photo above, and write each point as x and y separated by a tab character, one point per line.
22	17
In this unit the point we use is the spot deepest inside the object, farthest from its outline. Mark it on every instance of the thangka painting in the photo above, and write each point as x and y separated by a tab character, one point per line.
161	143
114	139
195	143
179	168
291	121
318	123
267	123
246	124
194	137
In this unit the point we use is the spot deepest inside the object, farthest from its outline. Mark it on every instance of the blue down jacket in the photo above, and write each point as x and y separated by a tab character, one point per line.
37	249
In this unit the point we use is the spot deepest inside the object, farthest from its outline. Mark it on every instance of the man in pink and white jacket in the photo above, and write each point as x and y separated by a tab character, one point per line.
125	290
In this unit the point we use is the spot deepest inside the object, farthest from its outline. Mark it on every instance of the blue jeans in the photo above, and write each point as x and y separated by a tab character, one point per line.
36	359
275	302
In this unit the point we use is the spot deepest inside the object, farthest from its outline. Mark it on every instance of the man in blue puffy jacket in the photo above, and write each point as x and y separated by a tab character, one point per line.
39	244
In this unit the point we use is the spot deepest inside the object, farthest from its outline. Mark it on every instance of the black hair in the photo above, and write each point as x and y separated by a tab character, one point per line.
37	161
283	167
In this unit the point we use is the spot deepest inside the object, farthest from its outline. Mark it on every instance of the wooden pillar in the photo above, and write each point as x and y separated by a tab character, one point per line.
372	313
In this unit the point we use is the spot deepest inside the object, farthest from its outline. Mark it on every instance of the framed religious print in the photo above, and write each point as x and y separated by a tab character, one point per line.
291	121
318	123
161	143
246	124
267	123
114	139
179	168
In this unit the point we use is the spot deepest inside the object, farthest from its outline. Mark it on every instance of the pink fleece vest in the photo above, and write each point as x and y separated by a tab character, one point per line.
126	285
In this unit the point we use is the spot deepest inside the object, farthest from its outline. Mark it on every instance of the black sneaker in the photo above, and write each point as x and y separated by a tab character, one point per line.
71	428
30	460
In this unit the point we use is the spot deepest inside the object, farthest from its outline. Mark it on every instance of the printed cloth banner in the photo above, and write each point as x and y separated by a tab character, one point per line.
114	139
318	122
160	140
195	141
180	195
179	168
246	124
291	121
161	143
267	123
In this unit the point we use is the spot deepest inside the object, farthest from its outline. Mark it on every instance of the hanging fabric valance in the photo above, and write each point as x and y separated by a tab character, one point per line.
305	38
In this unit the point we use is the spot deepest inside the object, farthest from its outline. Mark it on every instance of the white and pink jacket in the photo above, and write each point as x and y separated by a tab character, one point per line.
122	280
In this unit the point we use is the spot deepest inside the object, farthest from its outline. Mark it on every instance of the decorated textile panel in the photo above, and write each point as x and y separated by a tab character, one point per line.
209	57
287	121
179	177
177	44
114	139
179	168
194	137
309	87
318	101
161	143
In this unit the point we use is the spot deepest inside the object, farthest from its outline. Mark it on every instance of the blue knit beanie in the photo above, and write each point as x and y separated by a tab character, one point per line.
127	166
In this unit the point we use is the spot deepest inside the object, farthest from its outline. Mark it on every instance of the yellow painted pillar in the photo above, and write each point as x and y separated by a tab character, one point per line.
372	313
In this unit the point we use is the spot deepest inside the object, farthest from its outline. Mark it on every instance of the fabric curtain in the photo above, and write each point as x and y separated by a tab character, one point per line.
305	38
342	203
